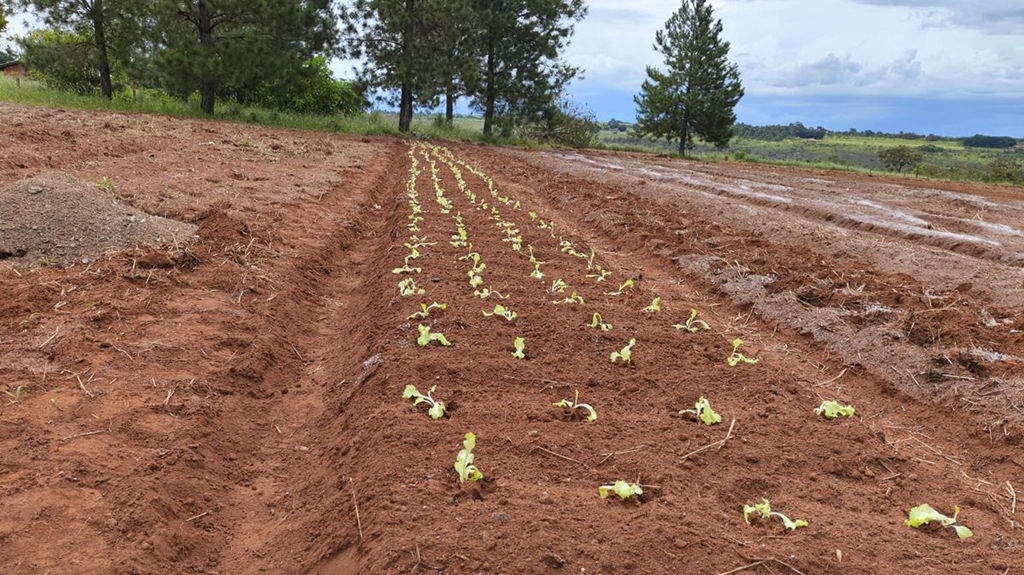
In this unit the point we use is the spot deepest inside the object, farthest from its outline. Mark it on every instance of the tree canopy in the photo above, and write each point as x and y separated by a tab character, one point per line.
521	71
203	45
700	88
108	25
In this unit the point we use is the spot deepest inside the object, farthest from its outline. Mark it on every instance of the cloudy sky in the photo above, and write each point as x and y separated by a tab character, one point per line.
949	67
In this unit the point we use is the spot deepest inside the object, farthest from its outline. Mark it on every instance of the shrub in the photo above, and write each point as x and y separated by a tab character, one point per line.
1005	170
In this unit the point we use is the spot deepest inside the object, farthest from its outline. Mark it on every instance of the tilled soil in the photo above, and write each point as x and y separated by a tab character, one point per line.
234	404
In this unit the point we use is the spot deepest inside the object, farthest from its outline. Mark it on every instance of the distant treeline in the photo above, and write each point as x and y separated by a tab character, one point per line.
777	133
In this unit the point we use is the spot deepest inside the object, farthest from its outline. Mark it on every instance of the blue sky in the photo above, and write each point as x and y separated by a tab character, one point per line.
949	67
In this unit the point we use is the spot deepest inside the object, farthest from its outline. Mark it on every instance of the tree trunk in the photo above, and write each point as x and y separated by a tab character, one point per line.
449	105
208	87
405	104
490	90
405	109
96	15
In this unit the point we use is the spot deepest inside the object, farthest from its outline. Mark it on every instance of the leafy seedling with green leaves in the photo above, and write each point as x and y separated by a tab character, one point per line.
925	514
702	410
764	511
623	489
519	344
559	286
654	307
736	358
693	325
464	461
426	309
436	410
488	292
406	270
832	409
622	287
573	405
597	323
502	311
625	354
426	337
574	298
408	287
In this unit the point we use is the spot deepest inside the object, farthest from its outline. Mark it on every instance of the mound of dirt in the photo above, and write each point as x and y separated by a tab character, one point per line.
61	220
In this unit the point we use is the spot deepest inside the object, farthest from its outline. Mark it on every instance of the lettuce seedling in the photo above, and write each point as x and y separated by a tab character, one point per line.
406	270
575	404
502	311
426	337
654	307
764	511
559	286
625	354
418	242
596	323
426	309
436	410
702	409
832	409
693	325
574	298
488	292
519	344
464	461
475	281
408	287
925	514
537	274
622	287
737	357
621	488
600	274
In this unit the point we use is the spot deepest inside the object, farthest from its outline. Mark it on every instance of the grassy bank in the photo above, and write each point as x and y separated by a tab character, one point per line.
155	102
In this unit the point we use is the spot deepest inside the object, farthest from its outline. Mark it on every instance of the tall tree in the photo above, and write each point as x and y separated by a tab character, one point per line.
204	44
107	23
700	89
453	38
520	44
401	45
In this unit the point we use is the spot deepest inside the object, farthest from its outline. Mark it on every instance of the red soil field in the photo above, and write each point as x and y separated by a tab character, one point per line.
230	401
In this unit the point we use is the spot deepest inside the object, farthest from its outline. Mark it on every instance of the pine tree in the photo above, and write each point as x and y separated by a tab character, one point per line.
520	44
397	41
697	94
109	24
204	45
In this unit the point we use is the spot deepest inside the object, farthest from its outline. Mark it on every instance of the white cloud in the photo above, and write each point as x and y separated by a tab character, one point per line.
867	47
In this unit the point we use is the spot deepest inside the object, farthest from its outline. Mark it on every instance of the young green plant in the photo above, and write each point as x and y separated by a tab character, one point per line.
654	307
925	514
736	358
464	461
693	325
623	489
519	344
574	404
764	511
426	337
702	410
832	409
625	354
597	323
436	410
502	311
426	309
